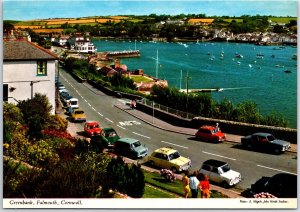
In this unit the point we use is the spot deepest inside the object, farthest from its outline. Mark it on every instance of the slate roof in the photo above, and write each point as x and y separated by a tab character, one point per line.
23	50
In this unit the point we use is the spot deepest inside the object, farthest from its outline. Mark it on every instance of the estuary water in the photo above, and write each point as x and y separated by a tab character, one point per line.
244	71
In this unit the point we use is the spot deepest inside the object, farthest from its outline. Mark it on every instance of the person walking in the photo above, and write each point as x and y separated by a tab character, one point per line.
186	184
194	184
204	187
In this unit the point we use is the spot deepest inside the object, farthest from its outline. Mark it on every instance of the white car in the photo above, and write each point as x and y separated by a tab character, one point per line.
220	172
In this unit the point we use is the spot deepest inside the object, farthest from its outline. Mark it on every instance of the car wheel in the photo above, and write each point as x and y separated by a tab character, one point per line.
215	140
151	163
277	151
224	184
173	169
249	146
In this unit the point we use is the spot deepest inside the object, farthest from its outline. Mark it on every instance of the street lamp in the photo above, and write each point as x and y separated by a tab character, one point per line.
187	88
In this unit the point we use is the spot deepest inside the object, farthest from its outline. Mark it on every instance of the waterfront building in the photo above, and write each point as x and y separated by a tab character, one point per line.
28	69
82	45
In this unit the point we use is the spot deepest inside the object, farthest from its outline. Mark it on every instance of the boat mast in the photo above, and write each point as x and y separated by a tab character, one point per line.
156	63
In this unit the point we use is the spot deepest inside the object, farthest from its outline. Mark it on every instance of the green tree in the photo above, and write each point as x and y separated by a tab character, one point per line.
36	114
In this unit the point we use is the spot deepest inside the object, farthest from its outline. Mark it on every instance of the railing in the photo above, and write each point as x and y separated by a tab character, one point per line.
168	109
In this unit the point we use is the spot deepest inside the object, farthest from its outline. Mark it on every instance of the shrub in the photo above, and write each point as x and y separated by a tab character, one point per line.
57	122
167	174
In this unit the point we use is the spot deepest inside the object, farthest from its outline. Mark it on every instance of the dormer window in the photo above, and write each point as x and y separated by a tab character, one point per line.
42	68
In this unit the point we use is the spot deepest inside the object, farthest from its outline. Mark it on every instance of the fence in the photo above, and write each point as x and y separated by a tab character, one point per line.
168	109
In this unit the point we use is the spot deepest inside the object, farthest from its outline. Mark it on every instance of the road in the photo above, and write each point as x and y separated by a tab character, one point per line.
252	165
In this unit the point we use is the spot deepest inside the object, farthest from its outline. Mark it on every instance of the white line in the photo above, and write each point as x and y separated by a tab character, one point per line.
109	120
94	109
218	155
89	104
85	100
174	144
100	114
141	135
121	127
276	169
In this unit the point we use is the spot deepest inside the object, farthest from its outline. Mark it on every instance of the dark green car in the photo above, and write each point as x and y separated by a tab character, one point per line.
109	136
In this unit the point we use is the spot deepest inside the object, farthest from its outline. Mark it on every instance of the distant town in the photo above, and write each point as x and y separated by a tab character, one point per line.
262	30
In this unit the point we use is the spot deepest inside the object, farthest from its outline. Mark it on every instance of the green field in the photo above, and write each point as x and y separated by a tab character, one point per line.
282	19
238	20
139	78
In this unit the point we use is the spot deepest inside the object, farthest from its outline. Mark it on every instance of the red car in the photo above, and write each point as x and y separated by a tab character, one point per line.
210	133
92	128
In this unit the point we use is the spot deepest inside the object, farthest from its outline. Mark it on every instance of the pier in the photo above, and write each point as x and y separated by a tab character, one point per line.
125	53
203	90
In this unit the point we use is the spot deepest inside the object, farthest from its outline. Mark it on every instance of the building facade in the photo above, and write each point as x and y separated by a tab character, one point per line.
28	69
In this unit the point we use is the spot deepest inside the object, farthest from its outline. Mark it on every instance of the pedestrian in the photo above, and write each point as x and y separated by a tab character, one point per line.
204	187
186	184
194	184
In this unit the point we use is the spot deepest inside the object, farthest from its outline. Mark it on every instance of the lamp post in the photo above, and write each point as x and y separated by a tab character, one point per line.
187	88
152	112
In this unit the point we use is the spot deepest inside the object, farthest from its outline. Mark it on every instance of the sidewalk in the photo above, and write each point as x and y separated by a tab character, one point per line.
168	127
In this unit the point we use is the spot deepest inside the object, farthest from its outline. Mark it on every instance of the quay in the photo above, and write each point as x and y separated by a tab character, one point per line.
125	53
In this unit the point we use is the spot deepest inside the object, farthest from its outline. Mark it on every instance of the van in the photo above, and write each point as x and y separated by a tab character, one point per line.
131	148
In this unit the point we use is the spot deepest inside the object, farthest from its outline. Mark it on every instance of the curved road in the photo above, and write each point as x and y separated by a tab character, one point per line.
252	165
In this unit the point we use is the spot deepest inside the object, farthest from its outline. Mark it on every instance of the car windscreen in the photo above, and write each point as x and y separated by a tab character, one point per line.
270	138
79	112
225	168
136	144
174	155
73	102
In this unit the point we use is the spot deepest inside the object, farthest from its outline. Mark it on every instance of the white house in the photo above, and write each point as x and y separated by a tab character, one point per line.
27	69
82	45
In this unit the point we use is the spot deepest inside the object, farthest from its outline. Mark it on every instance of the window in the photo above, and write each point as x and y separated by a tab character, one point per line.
41	68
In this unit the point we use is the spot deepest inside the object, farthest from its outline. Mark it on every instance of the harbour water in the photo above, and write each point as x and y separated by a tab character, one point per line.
258	74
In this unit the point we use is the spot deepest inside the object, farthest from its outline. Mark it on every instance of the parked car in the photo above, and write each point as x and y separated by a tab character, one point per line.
169	158
74	103
131	148
109	136
92	128
265	141
66	99
282	185
78	115
210	133
220	172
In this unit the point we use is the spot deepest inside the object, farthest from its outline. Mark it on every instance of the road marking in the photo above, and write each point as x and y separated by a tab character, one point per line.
100	114
89	104
121	127
109	120
85	100
276	169
94	109
129	123
218	155
141	135
174	144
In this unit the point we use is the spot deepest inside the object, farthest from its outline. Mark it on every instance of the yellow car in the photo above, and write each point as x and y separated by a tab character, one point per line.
78	115
169	158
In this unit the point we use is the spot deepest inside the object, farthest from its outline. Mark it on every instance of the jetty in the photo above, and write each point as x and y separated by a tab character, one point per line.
205	90
124	53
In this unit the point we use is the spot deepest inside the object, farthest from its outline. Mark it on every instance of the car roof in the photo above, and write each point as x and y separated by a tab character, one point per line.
262	134
91	122
165	150
128	140
74	99
207	127
215	163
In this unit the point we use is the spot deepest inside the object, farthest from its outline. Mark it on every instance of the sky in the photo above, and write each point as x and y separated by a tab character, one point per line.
43	9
